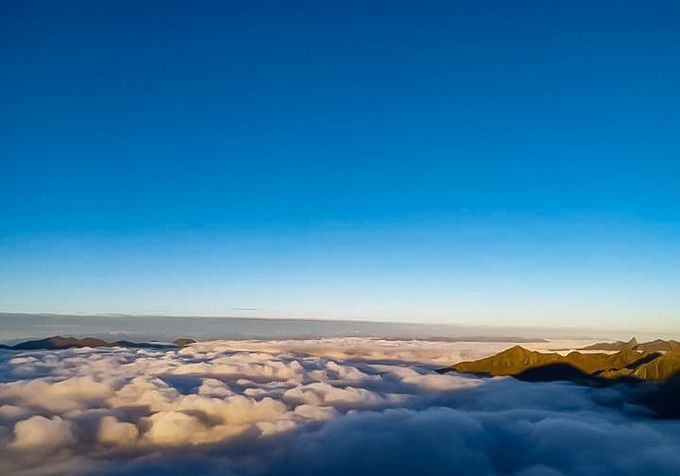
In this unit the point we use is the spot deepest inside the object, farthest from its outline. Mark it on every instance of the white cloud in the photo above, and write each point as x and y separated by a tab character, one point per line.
42	434
332	406
114	432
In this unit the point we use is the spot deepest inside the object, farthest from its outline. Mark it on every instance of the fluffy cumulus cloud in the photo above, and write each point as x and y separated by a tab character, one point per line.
328	406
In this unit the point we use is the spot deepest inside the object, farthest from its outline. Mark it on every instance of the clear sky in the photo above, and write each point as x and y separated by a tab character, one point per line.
497	162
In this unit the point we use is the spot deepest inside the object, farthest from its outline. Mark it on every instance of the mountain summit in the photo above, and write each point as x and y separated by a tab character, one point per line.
632	362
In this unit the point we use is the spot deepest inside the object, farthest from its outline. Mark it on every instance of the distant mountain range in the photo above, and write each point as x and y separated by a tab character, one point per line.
657	345
656	362
59	342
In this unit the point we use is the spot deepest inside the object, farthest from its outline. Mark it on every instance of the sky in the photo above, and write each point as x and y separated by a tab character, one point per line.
487	162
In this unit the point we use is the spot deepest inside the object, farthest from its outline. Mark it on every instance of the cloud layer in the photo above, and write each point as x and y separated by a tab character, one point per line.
332	406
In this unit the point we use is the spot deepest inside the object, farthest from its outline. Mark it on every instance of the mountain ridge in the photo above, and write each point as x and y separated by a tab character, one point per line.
632	362
651	346
60	343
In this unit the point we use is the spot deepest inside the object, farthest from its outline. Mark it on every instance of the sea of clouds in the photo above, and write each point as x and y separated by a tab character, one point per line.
327	406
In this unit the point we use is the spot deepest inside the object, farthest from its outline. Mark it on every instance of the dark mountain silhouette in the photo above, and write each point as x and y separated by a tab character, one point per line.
59	342
183	341
664	399
558	371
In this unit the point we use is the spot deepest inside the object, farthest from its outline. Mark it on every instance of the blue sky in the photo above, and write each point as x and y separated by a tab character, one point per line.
498	162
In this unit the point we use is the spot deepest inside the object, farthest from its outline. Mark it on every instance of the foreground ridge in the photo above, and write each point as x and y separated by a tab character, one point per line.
633	362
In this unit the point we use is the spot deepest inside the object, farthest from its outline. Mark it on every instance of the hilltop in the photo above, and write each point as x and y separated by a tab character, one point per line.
631	364
632	361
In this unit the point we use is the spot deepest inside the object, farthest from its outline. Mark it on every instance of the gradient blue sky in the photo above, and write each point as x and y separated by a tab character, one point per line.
500	162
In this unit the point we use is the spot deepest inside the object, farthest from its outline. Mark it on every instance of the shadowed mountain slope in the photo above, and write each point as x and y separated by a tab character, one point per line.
664	400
